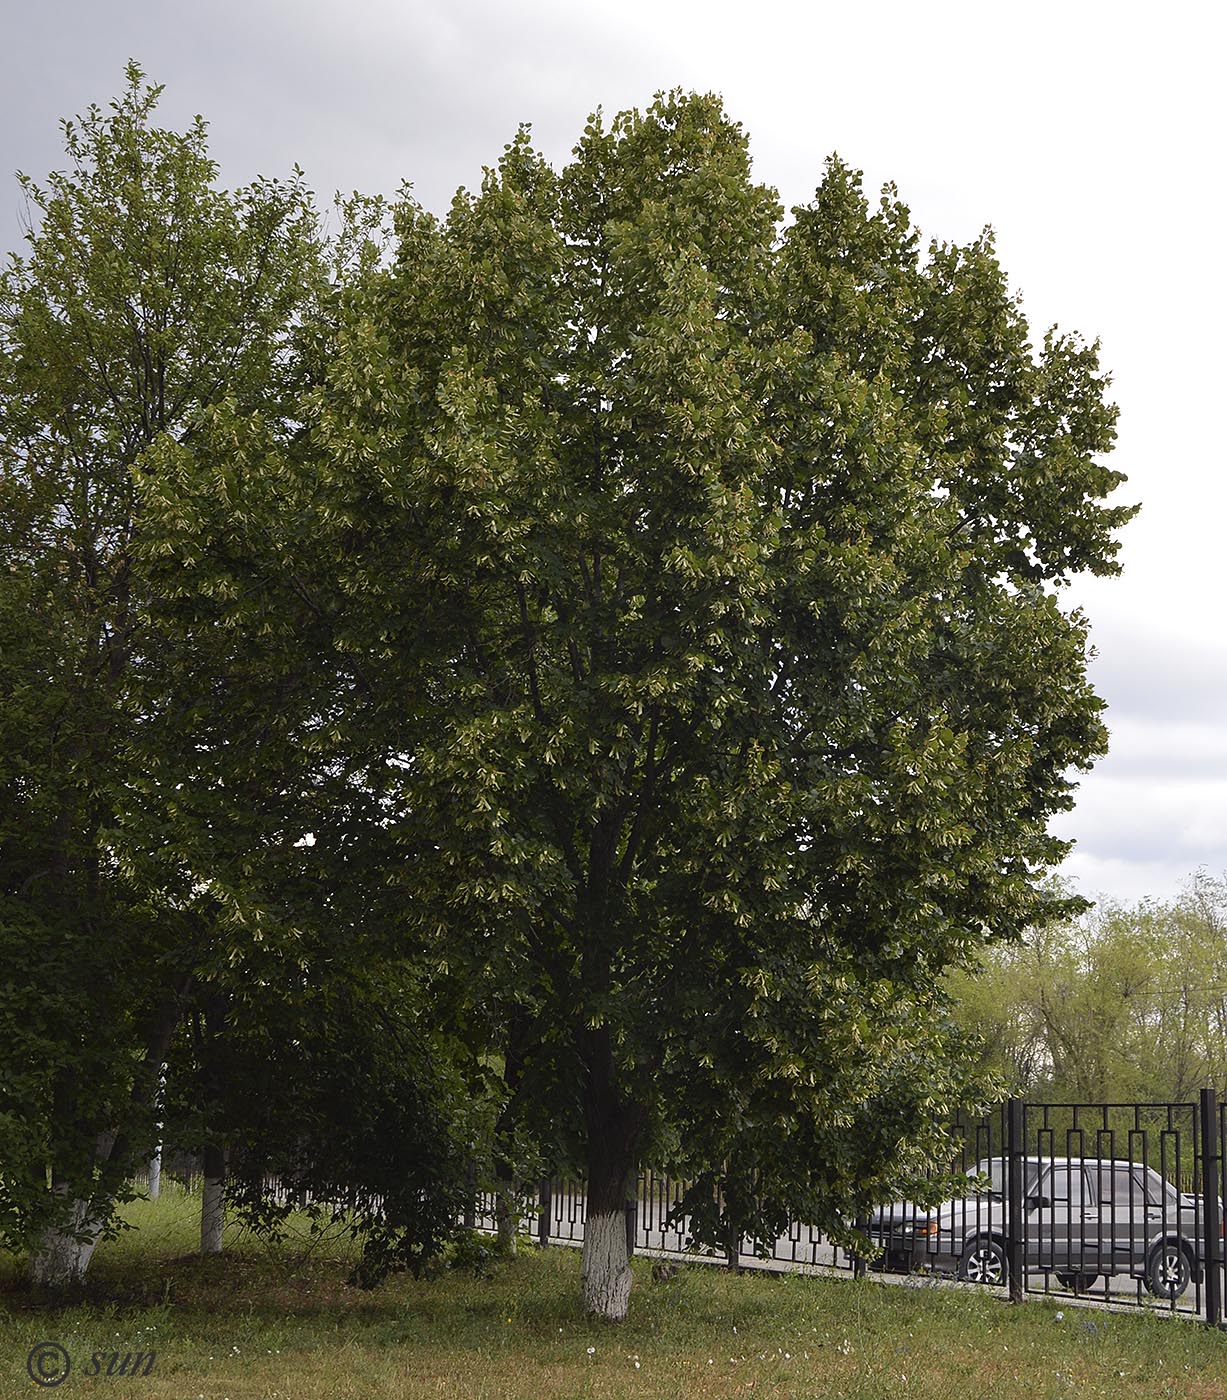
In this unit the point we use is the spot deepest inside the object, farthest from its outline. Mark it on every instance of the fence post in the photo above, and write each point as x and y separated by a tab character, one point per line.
1211	1220
545	1211
1014	1219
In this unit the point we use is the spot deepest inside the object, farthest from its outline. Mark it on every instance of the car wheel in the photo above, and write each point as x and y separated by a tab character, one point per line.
1168	1270
983	1261
1078	1283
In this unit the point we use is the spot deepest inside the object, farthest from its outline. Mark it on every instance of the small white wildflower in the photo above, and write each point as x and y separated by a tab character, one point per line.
637	1366
592	1351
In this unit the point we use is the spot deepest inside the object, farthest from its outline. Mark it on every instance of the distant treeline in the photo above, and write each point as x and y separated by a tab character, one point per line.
1125	1003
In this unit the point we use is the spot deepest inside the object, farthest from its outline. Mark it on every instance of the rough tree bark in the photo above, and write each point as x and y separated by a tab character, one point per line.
63	1252
614	1131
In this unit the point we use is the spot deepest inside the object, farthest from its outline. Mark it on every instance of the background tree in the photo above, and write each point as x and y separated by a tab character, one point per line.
713	674
335	1100
1123	1004
145	296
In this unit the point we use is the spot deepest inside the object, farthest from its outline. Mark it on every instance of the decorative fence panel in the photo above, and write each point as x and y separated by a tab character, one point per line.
1119	1204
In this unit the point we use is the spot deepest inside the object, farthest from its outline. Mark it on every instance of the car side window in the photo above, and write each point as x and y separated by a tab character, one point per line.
1160	1192
1068	1185
1128	1191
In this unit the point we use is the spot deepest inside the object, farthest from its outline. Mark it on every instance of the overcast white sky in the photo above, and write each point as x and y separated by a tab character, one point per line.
1090	135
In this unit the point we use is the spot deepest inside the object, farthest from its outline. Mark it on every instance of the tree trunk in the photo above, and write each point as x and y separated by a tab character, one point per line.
155	1158
506	1204
213	1196
613	1139
63	1253
606	1266
213	1200
506	1209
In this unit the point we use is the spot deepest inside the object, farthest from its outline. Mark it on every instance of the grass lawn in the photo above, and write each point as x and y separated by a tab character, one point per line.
264	1324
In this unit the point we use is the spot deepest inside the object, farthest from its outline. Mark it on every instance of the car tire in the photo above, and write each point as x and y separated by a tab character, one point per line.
1078	1283
1168	1269
983	1261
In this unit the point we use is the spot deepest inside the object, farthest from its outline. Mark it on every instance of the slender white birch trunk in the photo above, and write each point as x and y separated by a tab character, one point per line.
155	1161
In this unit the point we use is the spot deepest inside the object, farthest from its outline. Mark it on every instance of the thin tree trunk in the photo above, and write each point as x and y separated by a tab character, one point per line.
213	1200
507	1204
213	1197
155	1158
506	1209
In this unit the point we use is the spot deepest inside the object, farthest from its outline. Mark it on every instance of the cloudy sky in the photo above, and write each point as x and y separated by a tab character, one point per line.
1090	135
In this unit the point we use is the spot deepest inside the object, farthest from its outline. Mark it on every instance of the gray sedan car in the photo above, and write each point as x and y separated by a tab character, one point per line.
1082	1218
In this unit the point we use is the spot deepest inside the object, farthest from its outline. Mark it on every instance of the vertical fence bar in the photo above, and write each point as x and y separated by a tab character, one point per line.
1014	1197
1210	1215
631	1211
545	1211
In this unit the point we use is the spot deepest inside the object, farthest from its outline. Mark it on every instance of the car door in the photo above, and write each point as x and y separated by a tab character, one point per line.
1065	1231
1139	1214
1122	1211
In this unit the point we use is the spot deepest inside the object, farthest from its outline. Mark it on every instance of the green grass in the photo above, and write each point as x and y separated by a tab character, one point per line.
264	1324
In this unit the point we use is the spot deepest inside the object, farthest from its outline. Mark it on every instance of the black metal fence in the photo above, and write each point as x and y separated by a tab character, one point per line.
1120	1204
